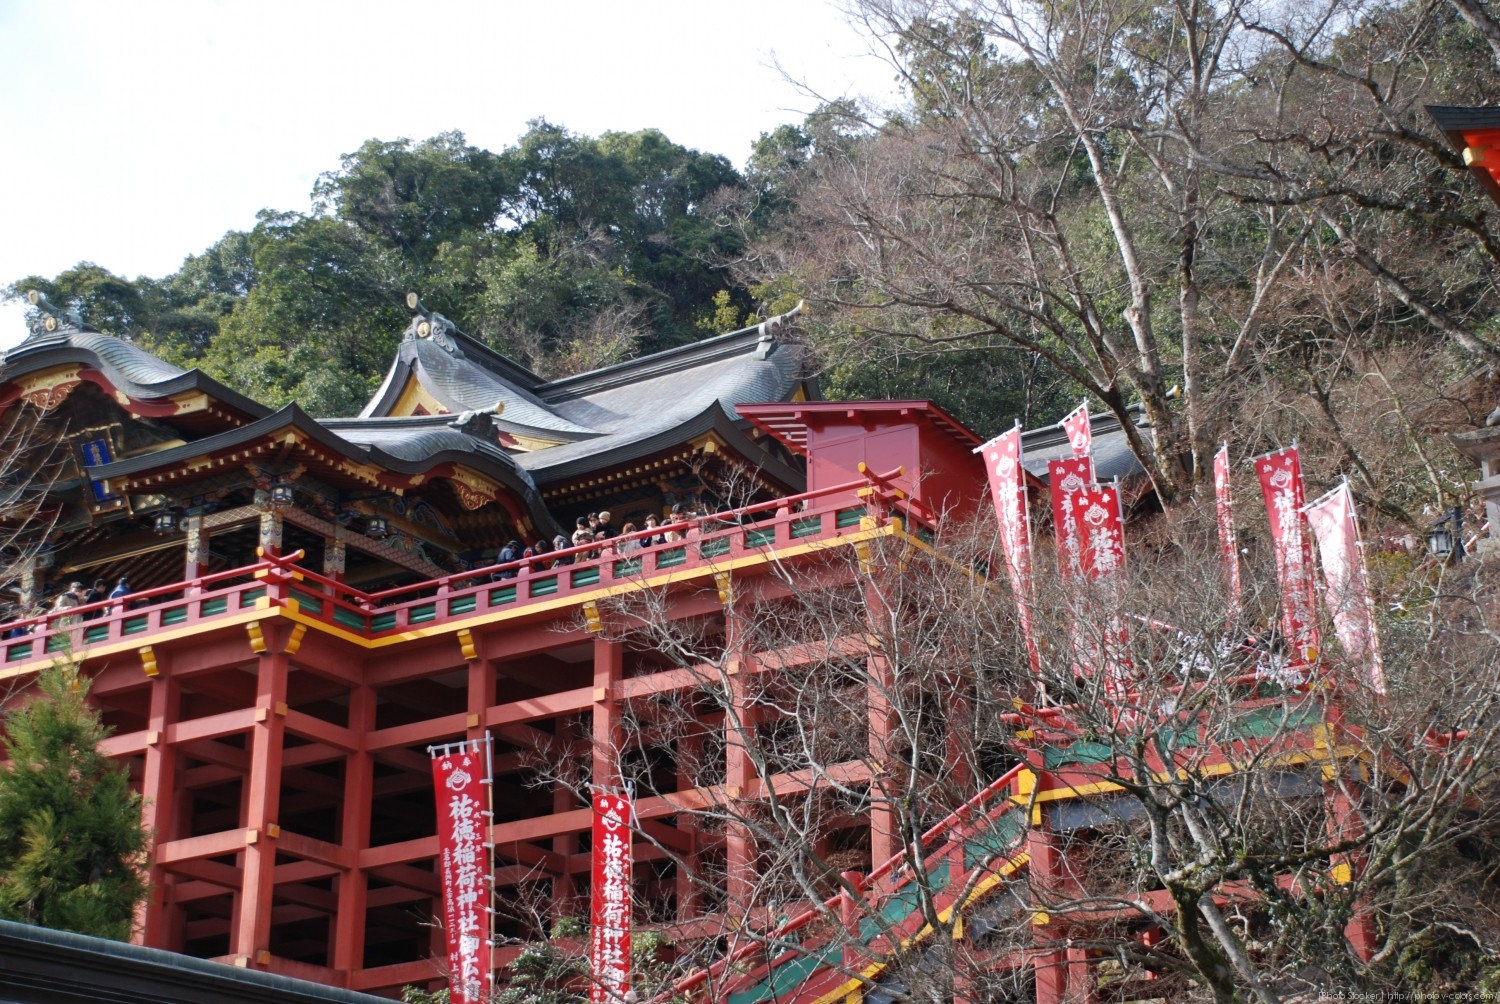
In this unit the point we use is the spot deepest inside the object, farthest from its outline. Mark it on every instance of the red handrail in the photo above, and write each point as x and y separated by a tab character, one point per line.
357	599
954	819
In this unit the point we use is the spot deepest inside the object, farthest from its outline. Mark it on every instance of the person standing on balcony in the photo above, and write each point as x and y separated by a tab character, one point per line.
605	526
97	594
629	544
121	590
655	538
69	600
561	543
510	552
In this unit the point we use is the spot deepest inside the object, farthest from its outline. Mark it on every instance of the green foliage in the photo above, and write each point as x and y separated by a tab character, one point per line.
71	842
556	971
563	250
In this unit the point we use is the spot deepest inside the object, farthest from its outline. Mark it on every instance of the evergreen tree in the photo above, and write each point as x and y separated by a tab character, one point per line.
71	840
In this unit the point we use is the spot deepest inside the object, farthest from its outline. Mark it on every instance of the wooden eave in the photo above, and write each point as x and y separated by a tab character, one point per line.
1475	134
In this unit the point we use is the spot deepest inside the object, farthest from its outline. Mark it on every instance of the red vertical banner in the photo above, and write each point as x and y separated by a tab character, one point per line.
609	932
1080	434
1229	548
1002	457
1096	511
1280	476
464	871
1103	637
1065	478
1348	584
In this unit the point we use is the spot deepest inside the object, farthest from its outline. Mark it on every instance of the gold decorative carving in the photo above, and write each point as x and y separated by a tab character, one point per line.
148	662
257	640
471	498
466	645
49	388
591	614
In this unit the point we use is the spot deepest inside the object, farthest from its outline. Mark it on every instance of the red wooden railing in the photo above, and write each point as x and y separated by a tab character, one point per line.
944	840
761	530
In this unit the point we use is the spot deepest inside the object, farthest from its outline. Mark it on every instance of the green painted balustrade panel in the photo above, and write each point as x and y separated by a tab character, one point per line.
671	557
424	614
584	577
134	625
788	975
98	632
997	840
173	615
344	617
383	622
312	604
249	596
762	537
849	517
544	587
503	595
714	548
1079	752
463	604
807	526
17	652
902	904
627	567
215	605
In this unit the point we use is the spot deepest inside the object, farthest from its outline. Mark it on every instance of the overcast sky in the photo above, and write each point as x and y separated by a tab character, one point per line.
138	133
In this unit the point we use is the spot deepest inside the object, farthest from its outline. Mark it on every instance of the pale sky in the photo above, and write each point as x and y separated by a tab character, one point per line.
137	133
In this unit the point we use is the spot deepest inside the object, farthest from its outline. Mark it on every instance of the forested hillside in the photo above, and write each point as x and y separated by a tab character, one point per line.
1237	218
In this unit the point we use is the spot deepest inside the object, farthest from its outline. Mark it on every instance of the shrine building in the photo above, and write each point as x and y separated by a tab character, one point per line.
314	602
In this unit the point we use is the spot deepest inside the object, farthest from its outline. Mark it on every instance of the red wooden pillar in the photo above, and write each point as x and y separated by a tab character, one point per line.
158	811
348	952
1051	959
739	768
689	888
564	889
884	835
1343	823
959	751
1080	978
609	663
252	936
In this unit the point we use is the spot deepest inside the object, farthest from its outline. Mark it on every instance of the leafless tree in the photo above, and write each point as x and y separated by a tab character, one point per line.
1223	826
1149	197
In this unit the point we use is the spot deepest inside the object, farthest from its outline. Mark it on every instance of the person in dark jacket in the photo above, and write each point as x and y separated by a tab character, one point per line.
96	594
510	552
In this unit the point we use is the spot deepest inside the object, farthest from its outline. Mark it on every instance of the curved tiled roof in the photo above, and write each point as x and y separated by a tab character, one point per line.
1111	451
618	411
403	445
463	386
129	368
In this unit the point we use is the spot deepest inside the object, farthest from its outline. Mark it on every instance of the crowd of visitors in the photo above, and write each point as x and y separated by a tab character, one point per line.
598	532
63	603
